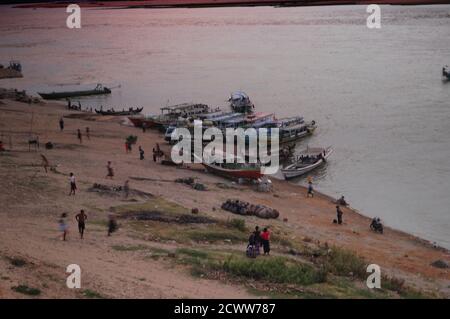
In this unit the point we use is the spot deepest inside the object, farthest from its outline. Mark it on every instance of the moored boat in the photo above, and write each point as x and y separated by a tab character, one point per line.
308	160
130	111
240	102
446	72
98	90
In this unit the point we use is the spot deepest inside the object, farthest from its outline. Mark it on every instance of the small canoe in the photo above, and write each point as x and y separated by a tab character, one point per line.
308	160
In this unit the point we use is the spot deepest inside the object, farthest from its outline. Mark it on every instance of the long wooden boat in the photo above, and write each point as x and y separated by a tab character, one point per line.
308	160
234	170
98	90
130	111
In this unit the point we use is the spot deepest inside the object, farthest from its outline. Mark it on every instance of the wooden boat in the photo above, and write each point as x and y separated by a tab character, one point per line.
234	170
170	115
130	111
308	160
296	131
98	90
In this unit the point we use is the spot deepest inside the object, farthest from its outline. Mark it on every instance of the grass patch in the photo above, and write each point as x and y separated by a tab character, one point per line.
129	248
213	234
274	269
343	262
92	294
24	289
237	223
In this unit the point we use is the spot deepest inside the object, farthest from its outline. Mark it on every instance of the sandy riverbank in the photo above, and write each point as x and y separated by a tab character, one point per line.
32	200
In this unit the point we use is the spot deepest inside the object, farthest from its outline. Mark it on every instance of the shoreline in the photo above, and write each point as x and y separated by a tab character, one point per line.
32	210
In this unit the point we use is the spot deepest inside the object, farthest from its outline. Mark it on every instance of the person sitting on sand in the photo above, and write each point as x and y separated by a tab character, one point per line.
63	227
73	184
81	219
80	138
110	170
265	238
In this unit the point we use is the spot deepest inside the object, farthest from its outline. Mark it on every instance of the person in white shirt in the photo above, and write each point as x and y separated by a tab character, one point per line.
73	184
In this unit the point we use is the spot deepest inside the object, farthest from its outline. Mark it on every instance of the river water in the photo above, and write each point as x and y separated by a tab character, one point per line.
377	94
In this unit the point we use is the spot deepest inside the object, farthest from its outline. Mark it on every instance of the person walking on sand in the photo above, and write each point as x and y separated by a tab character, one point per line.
112	224
126	188
265	238
80	138
61	124
110	170
339	214
88	133
81	219
73	184
310	190
44	162
63	227
141	153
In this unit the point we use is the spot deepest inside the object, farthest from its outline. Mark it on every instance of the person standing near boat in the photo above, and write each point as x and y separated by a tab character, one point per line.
73	184
265	238
80	137
339	214
81	219
61	124
310	190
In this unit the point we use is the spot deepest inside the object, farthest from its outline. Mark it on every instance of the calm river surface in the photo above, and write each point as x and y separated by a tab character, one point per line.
377	95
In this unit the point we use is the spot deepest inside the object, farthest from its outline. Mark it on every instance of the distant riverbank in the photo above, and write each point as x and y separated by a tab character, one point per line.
225	3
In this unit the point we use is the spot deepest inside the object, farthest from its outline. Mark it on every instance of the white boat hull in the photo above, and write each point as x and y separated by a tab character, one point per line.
291	171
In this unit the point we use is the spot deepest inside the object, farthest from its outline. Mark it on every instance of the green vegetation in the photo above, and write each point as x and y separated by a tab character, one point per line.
92	294
23	289
343	262
237	223
274	269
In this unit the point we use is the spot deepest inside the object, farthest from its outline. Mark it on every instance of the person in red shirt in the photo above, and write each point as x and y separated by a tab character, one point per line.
265	238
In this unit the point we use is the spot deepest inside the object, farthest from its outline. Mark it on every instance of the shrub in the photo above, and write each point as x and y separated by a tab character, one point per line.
274	269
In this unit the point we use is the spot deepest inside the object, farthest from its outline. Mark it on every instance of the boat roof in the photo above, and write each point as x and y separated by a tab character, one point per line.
258	116
239	95
290	120
183	107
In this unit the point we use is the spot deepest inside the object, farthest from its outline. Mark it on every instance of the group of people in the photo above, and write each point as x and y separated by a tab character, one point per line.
81	219
258	239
